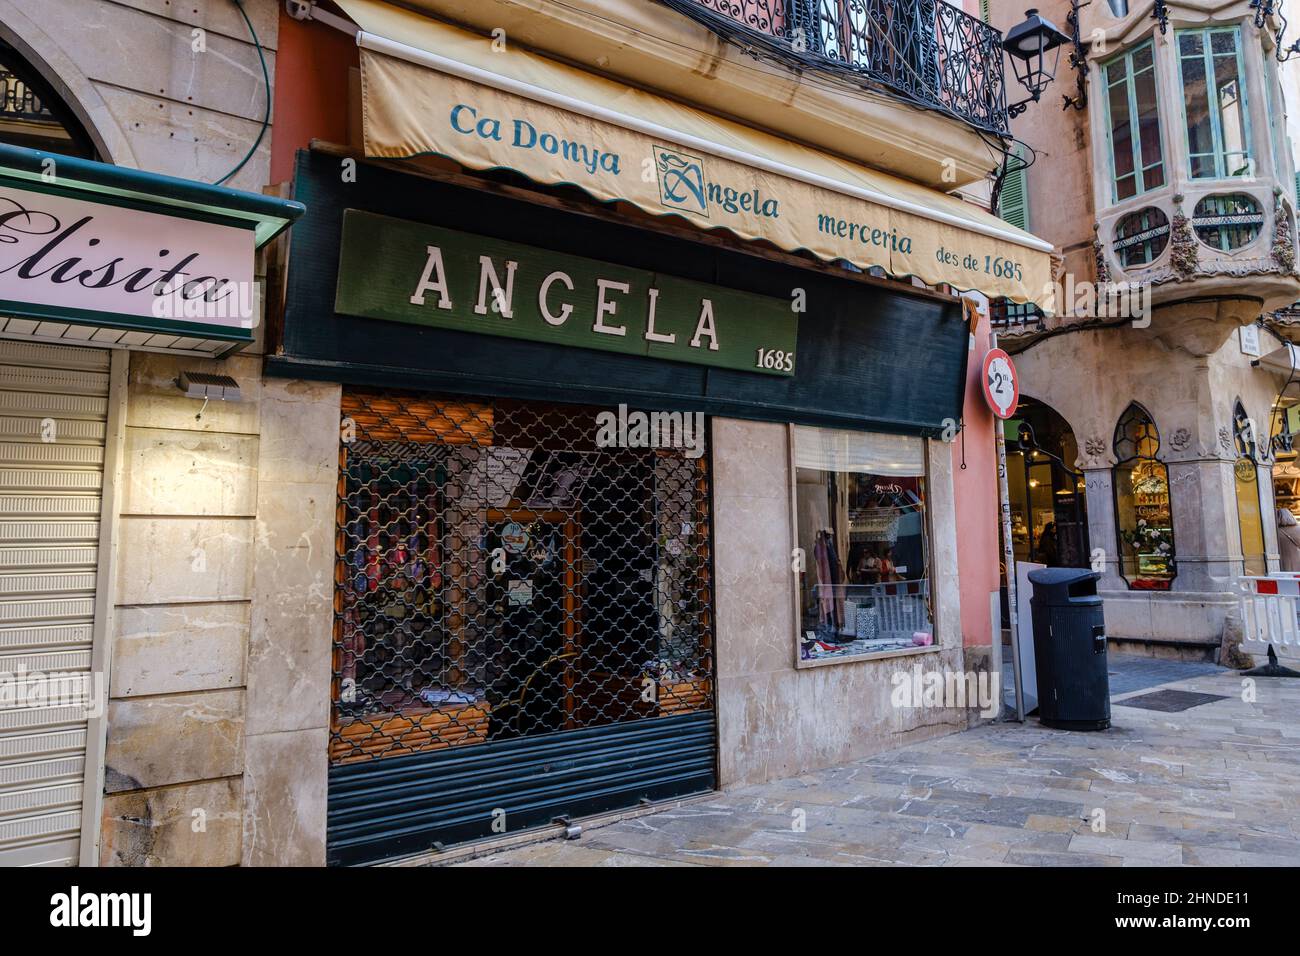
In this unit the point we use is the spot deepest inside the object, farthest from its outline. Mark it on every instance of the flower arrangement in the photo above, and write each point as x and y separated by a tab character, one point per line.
1147	538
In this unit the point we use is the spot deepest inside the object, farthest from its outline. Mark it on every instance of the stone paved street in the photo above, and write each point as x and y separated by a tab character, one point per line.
1218	784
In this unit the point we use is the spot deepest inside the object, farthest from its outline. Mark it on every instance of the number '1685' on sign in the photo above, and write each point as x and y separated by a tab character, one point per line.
775	359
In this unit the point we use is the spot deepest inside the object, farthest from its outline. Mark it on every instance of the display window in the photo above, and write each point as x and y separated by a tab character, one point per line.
1143	508
863	544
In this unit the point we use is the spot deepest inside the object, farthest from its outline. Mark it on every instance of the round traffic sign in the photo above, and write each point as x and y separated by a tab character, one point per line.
1000	384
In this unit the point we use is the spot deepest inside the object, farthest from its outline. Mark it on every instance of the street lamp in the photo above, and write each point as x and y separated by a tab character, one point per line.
1028	44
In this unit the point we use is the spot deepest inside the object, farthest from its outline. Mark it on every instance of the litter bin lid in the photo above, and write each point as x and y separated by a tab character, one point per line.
1056	587
1059	576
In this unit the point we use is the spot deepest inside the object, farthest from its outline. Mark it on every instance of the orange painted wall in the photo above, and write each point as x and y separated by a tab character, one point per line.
976	491
311	90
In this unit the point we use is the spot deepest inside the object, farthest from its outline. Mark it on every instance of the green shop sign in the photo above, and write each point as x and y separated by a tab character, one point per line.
410	272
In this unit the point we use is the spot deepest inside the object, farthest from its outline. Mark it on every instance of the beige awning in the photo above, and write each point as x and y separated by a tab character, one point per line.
430	88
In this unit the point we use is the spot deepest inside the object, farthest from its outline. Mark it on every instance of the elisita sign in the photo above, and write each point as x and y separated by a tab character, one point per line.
411	272
74	260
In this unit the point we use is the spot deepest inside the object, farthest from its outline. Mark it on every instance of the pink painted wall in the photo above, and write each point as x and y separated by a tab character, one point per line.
976	492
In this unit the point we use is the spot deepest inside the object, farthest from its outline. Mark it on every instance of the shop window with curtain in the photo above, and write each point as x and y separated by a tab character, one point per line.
1133	123
1143	509
1250	512
1214	103
862	530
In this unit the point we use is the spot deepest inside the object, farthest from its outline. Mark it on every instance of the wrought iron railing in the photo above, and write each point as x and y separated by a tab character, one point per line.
1005	314
928	52
18	102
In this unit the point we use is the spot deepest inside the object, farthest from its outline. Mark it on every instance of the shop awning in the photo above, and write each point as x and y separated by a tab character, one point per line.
101	254
430	88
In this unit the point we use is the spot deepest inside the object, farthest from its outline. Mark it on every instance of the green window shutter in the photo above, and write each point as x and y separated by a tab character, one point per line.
1297	189
984	10
1013	202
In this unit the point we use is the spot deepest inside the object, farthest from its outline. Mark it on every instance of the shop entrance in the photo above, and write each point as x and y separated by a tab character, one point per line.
1049	508
523	622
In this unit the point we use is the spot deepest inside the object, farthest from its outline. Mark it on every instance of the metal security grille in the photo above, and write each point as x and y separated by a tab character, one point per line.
502	574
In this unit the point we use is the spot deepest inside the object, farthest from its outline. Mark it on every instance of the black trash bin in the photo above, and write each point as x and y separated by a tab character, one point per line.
1070	649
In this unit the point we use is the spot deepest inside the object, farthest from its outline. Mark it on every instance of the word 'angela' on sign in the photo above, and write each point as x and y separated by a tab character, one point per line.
502	300
427	275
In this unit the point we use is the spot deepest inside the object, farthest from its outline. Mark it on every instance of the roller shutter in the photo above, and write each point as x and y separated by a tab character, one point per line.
53	418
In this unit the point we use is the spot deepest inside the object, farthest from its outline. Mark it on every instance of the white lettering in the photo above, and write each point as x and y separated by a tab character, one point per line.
565	310
432	267
502	299
650	334
605	307
705	326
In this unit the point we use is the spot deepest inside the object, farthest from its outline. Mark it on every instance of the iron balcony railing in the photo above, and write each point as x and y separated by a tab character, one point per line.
1005	314
928	52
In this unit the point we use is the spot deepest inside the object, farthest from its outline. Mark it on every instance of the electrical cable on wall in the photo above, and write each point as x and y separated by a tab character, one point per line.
266	82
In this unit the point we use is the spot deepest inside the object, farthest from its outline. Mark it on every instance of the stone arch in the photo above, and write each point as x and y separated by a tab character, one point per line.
46	57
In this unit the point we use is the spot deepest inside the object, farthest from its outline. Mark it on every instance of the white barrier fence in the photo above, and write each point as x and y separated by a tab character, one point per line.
1270	614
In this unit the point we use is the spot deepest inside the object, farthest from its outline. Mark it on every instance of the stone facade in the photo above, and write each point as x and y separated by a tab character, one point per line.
219	656
1182	362
219	661
774	719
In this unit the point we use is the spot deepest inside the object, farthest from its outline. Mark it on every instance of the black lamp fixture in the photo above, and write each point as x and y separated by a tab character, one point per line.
1035	50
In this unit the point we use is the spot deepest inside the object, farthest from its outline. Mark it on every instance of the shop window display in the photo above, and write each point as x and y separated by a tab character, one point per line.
1143	509
862	531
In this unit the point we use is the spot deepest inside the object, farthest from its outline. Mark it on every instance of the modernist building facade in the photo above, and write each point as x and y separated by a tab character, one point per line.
597	435
1169	175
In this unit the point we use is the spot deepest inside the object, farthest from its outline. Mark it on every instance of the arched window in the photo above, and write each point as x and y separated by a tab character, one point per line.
33	115
1143	512
1250	521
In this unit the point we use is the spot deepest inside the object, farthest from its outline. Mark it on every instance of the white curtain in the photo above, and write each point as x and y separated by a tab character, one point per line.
871	453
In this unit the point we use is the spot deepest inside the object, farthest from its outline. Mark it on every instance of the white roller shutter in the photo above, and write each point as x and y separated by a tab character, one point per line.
53	415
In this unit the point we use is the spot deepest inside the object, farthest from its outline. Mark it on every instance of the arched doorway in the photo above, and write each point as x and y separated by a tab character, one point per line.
1049	511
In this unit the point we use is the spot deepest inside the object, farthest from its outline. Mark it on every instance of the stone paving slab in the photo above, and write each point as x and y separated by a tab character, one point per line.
1217	785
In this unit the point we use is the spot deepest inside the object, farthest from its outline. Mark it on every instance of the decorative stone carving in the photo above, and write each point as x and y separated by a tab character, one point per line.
1099	253
1180	439
1183	257
1095	447
1283	246
1225	438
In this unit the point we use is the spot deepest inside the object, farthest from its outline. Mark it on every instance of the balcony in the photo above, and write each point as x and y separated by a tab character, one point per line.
927	52
1193	183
